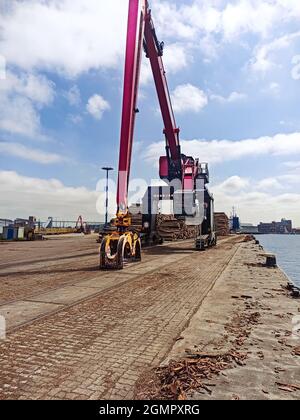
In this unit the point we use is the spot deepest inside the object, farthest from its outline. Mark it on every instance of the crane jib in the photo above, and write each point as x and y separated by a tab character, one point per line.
141	35
133	57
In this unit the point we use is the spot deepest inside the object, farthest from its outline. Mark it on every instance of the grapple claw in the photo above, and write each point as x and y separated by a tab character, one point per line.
116	249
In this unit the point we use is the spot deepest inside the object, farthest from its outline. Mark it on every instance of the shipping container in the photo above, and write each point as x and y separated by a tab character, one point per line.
15	233
21	232
8	233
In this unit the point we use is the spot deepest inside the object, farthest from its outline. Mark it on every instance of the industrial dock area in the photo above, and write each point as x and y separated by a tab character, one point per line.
178	325
179	281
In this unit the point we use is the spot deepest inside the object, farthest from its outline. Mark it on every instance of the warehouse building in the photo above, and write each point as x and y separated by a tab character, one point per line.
283	227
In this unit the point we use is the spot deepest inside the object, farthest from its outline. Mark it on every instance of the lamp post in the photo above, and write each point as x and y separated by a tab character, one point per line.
107	169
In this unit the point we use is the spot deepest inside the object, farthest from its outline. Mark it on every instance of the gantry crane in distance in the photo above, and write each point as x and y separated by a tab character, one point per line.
124	243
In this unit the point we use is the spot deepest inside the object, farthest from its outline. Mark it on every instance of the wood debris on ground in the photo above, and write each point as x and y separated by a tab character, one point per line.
288	387
194	372
296	351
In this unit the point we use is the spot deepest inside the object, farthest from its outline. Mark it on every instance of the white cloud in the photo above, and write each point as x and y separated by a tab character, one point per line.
210	26
75	118
229	19
23	196
233	97
77	32
269	184
293	164
73	96
254	203
274	88
171	21
249	16
218	151
291	179
234	184
226	20
37	88
67	36
20	151
2	67
146	73
18	116
188	98
296	68
175	59
96	106
21	96
204	17
263	59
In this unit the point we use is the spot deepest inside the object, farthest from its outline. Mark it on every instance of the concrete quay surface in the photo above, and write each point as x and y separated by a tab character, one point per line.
248	312
77	333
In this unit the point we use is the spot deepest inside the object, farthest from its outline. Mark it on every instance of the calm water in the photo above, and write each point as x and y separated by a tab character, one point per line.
287	249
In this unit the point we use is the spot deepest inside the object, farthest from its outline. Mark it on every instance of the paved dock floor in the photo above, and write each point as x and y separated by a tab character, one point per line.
78	333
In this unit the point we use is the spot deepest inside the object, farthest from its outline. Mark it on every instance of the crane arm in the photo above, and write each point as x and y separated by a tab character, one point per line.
174	165
141	33
135	31
154	51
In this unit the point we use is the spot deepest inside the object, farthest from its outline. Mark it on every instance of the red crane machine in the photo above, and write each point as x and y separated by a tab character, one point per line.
124	243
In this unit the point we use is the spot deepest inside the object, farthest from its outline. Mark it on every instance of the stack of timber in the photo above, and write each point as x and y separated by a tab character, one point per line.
222	224
167	226
137	221
172	229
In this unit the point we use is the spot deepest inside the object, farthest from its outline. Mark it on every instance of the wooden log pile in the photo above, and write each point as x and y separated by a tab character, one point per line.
167	226
137	221
172	229
222	224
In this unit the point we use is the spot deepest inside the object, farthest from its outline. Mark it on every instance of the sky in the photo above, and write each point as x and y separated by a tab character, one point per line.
233	69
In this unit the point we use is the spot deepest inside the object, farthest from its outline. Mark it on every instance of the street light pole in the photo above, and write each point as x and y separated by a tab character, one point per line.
107	169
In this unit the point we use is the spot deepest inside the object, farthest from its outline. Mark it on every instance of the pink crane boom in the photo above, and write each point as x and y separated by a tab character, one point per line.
141	33
134	42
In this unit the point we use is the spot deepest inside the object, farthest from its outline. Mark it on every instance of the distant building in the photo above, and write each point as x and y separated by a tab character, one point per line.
5	222
249	228
20	222
283	227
